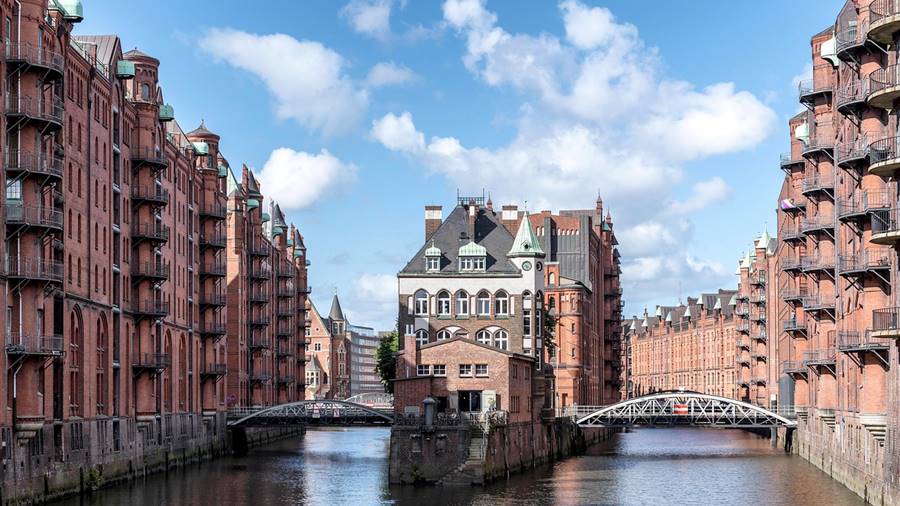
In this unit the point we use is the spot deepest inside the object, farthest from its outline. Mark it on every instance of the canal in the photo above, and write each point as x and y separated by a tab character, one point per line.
349	467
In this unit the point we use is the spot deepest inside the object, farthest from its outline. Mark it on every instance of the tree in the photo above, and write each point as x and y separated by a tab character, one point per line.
386	360
550	329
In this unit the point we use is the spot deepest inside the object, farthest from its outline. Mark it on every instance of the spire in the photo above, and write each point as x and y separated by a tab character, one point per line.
336	313
763	242
745	263
718	303
669	317
526	243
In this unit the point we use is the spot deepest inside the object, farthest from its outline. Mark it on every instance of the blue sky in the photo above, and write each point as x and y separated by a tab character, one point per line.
358	113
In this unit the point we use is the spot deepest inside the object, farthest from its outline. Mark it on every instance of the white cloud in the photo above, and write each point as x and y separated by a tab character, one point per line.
597	113
306	78
369	17
389	74
373	301
296	179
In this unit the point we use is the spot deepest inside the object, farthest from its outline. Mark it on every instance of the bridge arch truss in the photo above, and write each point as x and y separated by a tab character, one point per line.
308	411
677	408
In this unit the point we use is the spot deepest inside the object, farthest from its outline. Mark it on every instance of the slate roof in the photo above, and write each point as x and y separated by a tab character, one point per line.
336	312
106	44
488	233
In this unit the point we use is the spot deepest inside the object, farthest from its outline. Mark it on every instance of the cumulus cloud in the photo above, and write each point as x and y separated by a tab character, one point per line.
389	74
296	179
306	79
369	17
597	113
372	301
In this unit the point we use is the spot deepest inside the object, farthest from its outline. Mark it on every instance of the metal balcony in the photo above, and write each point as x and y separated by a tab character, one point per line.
758	299
258	321
259	249
742	344
851	98
885	227
284	351
151	361
852	156
863	203
870	260
792	234
743	361
758	380
149	270
884	20
823	142
816	224
825	358
886	323
153	195
46	114
817	304
213	371
33	345
24	56
759	335
809	90
216	270
850	41
884	87
791	265
260	296
743	328
260	377
793	368
150	232
285	312
150	308
793	295
759	357
817	264
758	278
212	211
817	184
854	341
260	272
22	215
212	329
33	269
217	241
884	157
286	380
284	331
794	325
786	162
259	343
758	318
37	164
285	291
152	157
212	300
286	271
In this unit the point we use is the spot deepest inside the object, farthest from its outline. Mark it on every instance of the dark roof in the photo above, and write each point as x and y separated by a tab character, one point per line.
106	44
488	233
201	131
336	313
137	53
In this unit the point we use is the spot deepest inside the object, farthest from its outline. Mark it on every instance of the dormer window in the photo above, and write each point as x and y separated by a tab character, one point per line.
472	257
433	258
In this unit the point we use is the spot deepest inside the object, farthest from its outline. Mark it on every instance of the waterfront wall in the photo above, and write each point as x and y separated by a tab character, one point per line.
71	458
461	455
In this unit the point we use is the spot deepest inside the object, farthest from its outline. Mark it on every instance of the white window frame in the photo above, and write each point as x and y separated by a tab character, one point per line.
444	334
432	263
483	337
423	370
501	339
501	303
484	371
483	304
465	370
443	303
420	299
421	337
439	370
462	303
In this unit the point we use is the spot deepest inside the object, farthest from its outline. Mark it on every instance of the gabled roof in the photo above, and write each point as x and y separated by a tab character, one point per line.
336	312
487	232
526	242
106	45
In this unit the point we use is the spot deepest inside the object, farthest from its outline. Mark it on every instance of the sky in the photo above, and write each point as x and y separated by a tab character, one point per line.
355	114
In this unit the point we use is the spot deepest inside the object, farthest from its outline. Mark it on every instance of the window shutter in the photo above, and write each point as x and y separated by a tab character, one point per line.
409	305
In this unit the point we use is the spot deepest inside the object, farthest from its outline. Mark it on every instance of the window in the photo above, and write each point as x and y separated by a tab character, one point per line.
526	322
432	263
483	304
465	370
317	347
13	189
501	339
421	303
462	303
421	337
472	263
514	404
552	279
514	371
444	334
481	369
439	370
501	304
422	370
443	303
483	337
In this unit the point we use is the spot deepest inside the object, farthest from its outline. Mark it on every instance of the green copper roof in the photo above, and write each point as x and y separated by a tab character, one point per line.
72	10
265	217
252	203
124	69
687	312
232	183
433	251
669	317
471	249
223	171
525	243
718	303
166	112
201	148
764	239
733	301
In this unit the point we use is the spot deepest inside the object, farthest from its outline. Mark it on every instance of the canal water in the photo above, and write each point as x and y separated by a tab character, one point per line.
348	467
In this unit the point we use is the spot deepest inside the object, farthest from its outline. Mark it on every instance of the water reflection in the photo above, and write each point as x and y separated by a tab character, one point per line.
349	467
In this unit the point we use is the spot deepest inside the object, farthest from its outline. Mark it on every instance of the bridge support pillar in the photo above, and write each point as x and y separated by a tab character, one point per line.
238	441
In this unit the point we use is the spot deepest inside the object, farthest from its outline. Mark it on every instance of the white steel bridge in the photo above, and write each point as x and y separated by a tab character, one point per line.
371	409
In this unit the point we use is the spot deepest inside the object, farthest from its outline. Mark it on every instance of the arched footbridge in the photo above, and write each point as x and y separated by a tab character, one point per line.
353	411
677	408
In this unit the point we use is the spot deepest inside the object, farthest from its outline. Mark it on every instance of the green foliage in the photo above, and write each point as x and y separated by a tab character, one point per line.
386	361
550	329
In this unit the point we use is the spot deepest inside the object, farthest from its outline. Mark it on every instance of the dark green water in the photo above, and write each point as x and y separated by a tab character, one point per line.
348	467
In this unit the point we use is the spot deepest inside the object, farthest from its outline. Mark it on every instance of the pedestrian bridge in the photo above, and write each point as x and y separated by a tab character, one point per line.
678	408
314	412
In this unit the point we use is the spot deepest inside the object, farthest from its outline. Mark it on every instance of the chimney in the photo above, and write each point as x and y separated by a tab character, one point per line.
510	218
433	218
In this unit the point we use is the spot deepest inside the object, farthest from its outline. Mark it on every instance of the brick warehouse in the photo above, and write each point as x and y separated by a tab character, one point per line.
830	314
131	250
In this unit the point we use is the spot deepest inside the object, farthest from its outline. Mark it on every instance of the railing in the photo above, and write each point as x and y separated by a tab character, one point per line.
212	328
213	210
883	150
793	294
260	377
855	340
850	36
32	162
51	109
852	92
740	343
212	299
884	78
259	296
34	55
792	324
819	357
214	369
867	260
258	271
858	151
785	160
213	240
150	307
791	264
742	327
259	342
42	216
790	233
258	320
150	155
864	202
150	269
886	319
286	379
20	344
880	9
150	231
151	360
814	86
885	221
758	278
793	367
815	302
286	271
816	223
759	336
758	299
149	193
34	268
816	263
213	269
258	248
817	183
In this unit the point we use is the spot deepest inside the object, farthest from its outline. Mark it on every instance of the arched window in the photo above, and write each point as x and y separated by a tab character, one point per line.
552	279
501	339
145	91
421	337
443	303
421	303
483	337
501	303
462	303
484	303
444	334
526	314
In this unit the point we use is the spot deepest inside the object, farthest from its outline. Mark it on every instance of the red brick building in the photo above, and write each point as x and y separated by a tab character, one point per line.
116	277
328	349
